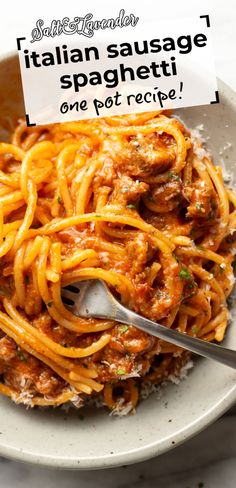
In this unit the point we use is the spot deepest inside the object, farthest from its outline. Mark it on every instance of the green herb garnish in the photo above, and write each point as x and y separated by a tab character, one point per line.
123	328
173	176
190	286
184	274
199	206
21	356
120	372
59	200
131	205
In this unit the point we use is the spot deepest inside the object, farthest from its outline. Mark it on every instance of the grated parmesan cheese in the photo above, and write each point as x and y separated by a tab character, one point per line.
122	409
148	388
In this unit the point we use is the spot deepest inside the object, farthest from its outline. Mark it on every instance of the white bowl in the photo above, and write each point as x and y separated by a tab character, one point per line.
52	437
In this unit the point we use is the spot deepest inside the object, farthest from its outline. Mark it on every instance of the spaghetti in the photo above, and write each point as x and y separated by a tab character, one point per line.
132	200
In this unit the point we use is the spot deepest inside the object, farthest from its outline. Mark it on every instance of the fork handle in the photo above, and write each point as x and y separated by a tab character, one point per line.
198	346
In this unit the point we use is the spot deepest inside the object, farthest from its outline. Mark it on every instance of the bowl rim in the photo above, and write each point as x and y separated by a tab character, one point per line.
126	458
135	455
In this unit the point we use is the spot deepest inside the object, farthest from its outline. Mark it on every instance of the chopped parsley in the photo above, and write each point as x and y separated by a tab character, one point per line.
131	205
123	328
173	176
184	274
59	200
49	304
120	372
199	206
194	329
21	356
97	215
191	295
190	285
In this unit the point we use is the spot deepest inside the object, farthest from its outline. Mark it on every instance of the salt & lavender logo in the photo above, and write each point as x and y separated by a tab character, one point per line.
85	26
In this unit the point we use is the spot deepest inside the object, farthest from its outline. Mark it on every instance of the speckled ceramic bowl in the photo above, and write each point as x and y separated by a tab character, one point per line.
55	438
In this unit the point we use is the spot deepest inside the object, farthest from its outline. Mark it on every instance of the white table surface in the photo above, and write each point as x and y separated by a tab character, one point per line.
208	460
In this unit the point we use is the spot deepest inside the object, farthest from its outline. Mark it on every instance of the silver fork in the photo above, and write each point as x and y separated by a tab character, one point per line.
92	298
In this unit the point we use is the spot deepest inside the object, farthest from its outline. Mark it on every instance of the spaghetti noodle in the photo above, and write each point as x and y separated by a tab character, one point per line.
135	201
